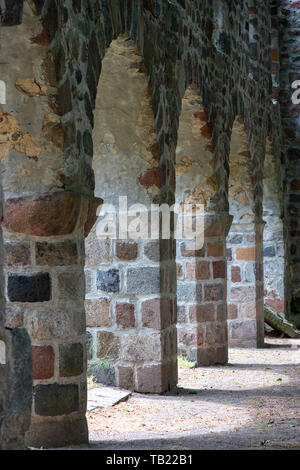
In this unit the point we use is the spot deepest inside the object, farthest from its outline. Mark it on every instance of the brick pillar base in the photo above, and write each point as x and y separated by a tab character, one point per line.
201	296
131	313
58	432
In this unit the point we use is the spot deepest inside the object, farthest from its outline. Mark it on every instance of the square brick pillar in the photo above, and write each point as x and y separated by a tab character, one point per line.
45	293
201	295
130	307
245	285
45	290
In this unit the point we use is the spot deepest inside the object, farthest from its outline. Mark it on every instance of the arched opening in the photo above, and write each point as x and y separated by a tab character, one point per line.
129	320
273	232
42	231
201	276
244	260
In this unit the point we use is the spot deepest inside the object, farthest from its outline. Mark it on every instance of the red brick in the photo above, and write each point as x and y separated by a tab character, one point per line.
126	251
219	269
232	311
16	254
215	229
125	315
156	313
215	249
198	271
213	292
42	362
276	304
152	379
236	274
216	333
202	313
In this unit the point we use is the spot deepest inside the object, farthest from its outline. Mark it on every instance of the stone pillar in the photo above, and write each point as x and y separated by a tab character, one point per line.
44	259
245	285
289	44
45	215
130	316
130	300
201	274
202	296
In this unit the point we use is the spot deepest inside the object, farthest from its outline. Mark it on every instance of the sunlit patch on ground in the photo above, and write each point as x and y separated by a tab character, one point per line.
253	402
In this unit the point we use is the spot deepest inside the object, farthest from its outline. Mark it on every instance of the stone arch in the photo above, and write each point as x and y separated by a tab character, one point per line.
49	204
130	317
201	272
47	217
244	246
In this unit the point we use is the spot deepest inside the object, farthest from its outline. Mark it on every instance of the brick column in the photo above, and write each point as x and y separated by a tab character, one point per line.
44	259
131	314
201	296
245	285
15	375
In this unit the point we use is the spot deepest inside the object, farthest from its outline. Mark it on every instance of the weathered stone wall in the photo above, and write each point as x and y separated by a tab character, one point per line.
227	50
289	44
15	348
44	222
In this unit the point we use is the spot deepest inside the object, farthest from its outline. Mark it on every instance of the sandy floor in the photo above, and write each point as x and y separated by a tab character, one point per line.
253	402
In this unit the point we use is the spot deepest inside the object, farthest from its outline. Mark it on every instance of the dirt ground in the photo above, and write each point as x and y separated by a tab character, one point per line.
252	403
